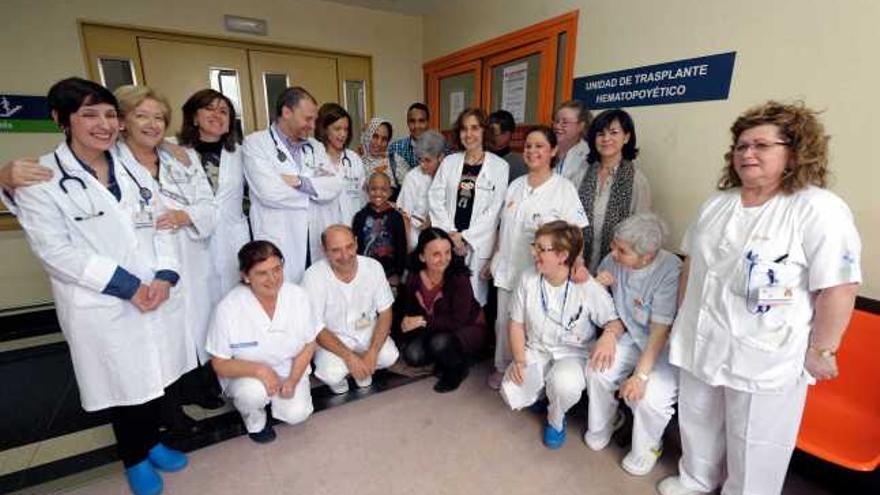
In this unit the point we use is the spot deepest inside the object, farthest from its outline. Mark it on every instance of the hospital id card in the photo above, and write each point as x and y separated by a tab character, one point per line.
143	218
775	296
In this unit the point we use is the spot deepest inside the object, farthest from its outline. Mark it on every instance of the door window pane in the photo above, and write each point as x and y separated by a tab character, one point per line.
273	86
515	85
456	94
226	82
355	93
561	43
116	72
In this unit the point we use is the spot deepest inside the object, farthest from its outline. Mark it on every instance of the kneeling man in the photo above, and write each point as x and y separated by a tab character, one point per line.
351	295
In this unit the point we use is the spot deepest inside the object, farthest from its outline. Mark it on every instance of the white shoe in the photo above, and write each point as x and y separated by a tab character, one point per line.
366	382
339	388
640	464
672	486
600	439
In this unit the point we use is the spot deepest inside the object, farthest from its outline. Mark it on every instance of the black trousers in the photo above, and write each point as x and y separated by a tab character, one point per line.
137	430
422	347
194	385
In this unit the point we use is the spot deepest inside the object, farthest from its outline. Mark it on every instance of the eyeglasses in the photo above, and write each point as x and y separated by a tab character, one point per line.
760	148
537	248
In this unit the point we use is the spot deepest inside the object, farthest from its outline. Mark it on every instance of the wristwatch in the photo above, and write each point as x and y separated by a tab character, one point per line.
824	353
641	376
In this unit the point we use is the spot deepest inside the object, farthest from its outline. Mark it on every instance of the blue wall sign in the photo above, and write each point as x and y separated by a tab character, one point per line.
25	114
693	79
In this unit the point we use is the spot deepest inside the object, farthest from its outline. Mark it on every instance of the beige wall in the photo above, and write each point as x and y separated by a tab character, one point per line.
41	45
808	49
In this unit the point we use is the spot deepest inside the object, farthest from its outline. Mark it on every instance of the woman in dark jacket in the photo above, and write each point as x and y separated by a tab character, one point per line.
440	322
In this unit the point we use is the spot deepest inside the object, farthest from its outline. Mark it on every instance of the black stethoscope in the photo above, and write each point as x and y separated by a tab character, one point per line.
93	211
282	156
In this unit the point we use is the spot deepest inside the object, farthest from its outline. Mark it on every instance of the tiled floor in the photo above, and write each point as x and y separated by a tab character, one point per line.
408	440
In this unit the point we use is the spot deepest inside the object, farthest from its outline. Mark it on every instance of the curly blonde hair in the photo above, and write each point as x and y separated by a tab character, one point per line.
801	128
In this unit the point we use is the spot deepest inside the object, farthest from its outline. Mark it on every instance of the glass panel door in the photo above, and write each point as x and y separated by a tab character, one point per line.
453	90
522	81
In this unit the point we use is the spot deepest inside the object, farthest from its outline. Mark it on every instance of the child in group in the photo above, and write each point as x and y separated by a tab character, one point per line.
643	279
552	329
380	229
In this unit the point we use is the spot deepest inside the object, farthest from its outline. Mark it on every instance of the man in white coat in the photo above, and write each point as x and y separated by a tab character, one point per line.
287	172
351	295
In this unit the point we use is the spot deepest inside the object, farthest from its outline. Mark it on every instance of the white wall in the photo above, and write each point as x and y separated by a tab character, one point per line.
818	51
41	45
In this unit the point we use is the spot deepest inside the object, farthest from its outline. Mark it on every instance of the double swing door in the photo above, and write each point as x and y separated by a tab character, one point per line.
252	75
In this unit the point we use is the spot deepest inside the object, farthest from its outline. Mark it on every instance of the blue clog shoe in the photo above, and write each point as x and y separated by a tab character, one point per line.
143	479
166	459
553	438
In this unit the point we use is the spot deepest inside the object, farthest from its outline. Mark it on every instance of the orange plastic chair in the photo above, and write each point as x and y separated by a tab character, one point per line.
841	422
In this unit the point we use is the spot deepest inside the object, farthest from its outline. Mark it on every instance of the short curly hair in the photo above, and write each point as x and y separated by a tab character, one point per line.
801	128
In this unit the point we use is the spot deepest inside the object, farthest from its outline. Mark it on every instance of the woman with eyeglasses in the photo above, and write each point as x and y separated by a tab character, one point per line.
570	123
112	271
767	290
553	323
532	200
187	211
612	187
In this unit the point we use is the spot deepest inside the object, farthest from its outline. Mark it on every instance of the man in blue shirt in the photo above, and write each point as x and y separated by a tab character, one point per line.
417	121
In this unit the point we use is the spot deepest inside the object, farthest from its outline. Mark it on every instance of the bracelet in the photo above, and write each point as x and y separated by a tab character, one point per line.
641	376
824	353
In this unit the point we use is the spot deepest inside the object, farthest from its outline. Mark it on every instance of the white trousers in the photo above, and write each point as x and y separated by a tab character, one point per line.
503	357
480	286
754	434
651	414
331	369
561	379
250	399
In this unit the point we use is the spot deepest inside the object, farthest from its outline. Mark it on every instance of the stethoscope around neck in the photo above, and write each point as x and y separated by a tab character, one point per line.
93	211
282	156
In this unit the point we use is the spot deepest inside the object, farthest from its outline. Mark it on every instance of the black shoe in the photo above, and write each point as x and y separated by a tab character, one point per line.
450	380
210	402
266	435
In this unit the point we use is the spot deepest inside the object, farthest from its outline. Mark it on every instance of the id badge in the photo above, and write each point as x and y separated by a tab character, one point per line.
143	218
353	189
572	338
363	323
775	296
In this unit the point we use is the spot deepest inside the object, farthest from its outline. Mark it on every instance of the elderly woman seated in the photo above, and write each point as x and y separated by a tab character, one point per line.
440	320
643	279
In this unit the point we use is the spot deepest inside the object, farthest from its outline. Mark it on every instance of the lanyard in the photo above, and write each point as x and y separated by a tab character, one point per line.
564	301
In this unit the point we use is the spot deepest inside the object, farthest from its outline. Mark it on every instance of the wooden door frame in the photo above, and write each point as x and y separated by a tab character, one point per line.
546	31
453	70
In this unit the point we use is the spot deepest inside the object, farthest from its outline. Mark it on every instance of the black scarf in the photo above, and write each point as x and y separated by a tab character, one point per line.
618	203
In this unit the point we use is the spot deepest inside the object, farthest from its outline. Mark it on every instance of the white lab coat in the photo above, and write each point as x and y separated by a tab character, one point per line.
231	227
280	213
120	356
491	187
413	199
178	185
354	193
574	166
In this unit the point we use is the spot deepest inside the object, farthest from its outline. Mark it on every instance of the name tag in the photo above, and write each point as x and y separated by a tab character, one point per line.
775	296
572	338
243	345
143	218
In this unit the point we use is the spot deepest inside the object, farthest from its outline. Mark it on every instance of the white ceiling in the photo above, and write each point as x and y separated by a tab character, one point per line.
406	7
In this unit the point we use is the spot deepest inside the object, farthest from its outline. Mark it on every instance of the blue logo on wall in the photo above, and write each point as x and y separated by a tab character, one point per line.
693	79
